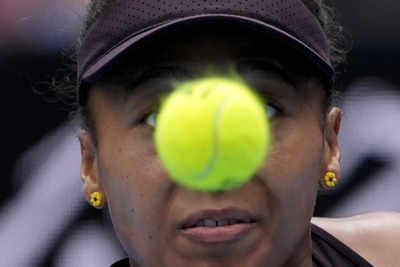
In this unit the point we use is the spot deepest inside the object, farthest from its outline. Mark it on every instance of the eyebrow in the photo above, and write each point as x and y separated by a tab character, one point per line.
157	71
268	64
163	72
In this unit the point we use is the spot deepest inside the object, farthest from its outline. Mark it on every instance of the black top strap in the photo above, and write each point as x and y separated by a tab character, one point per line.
328	251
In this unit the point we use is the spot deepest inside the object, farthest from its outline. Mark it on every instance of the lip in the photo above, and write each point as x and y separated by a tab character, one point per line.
219	233
223	214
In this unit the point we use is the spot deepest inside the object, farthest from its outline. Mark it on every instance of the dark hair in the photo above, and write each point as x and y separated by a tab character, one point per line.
337	43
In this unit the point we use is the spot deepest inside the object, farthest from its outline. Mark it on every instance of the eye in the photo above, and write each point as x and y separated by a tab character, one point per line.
271	110
150	119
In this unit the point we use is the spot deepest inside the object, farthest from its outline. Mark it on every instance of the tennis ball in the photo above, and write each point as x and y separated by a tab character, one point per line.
212	133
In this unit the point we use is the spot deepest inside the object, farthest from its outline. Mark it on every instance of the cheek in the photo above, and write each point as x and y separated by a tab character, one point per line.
136	185
294	165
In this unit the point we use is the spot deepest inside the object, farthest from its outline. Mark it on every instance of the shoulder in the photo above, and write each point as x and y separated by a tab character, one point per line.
375	236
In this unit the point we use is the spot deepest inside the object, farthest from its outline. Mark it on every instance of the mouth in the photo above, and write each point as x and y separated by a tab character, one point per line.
211	226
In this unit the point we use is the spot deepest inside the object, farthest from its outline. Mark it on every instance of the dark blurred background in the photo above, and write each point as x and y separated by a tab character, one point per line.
34	34
39	141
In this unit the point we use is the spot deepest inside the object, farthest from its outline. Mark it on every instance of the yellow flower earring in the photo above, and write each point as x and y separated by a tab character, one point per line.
330	180
96	198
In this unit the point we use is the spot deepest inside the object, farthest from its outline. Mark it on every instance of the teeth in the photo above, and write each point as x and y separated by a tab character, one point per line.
233	221
199	224
223	222
210	223
214	223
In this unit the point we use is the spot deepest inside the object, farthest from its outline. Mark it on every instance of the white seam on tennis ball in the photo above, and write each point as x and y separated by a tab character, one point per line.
213	160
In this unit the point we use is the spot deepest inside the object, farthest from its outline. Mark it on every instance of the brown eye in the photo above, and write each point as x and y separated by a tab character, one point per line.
271	111
150	119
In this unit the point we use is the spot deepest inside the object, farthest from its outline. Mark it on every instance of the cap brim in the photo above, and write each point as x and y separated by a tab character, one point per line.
92	72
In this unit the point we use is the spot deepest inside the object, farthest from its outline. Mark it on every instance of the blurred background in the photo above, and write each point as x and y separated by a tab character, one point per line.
44	219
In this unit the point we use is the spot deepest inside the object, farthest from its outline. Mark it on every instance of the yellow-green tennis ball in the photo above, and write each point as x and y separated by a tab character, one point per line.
212	134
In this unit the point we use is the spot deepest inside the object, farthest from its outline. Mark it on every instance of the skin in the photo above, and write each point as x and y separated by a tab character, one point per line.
374	235
119	159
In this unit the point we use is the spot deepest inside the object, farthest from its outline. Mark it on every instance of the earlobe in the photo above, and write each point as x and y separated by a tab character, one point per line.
332	151
89	169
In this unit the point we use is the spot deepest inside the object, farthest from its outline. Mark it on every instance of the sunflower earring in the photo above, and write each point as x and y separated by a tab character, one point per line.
330	180
96	198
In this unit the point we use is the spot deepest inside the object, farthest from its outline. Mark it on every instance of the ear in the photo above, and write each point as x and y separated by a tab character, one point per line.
89	167
332	152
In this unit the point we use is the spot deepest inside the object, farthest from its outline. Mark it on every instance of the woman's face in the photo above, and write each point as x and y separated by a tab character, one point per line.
147	208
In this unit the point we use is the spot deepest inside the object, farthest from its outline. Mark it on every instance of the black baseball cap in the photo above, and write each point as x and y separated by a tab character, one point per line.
126	23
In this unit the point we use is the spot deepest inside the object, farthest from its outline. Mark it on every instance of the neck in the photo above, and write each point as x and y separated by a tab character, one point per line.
302	255
132	263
